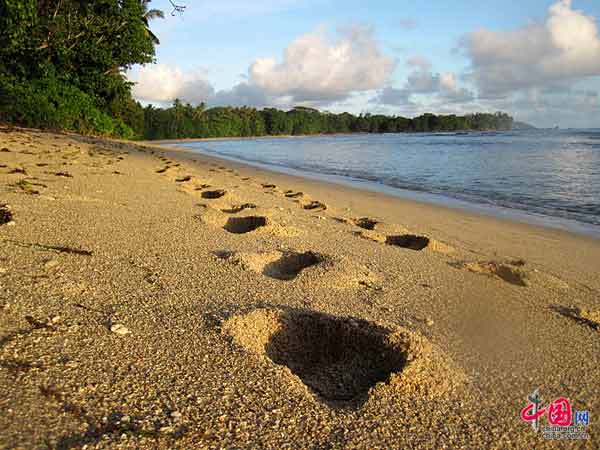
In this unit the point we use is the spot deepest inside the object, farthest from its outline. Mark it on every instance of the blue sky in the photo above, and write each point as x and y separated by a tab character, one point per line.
538	60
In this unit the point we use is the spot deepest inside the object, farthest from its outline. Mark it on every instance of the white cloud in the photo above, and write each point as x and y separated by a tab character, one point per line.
313	72
242	94
448	82
313	69
423	81
392	96
162	84
565	46
546	107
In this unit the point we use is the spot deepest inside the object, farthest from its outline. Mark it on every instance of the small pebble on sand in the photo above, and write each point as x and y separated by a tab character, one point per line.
119	329
51	263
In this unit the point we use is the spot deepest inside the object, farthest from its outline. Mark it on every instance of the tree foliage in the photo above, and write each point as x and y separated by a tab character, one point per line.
186	121
68	57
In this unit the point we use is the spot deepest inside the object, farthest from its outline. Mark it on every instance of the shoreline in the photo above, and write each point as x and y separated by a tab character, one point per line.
291	136
239	138
421	197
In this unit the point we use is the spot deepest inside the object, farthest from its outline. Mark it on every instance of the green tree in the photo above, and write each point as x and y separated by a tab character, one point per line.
150	14
187	121
58	53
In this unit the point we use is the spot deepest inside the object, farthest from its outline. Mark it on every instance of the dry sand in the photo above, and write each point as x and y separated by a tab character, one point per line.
153	298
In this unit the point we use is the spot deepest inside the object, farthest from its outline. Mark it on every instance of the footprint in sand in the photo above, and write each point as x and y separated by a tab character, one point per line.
238	208
247	224
212	195
291	263
514	272
183	179
6	215
365	223
314	205
292	194
405	240
284	266
268	186
510	271
243	225
287	265
409	241
163	170
344	361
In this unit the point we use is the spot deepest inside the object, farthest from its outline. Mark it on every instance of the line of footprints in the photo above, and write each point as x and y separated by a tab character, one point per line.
287	265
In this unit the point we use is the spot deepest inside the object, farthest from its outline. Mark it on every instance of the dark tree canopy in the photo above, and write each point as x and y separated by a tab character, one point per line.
187	121
67	57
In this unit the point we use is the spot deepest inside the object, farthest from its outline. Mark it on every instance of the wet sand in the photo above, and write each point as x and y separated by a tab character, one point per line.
155	298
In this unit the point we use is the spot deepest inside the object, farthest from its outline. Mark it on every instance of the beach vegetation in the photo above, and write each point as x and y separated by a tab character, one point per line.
188	121
62	63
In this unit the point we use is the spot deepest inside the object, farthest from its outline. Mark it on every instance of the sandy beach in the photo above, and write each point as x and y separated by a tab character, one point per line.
155	298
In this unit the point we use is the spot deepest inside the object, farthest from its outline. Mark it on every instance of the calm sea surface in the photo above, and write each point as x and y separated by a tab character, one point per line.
553	175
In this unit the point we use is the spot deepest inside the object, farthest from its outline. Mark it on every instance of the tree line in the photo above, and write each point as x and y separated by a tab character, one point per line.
62	65
186	121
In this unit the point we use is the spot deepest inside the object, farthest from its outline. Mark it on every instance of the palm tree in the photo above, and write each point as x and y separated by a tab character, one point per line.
150	14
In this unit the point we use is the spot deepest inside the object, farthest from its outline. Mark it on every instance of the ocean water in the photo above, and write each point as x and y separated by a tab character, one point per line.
550	175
